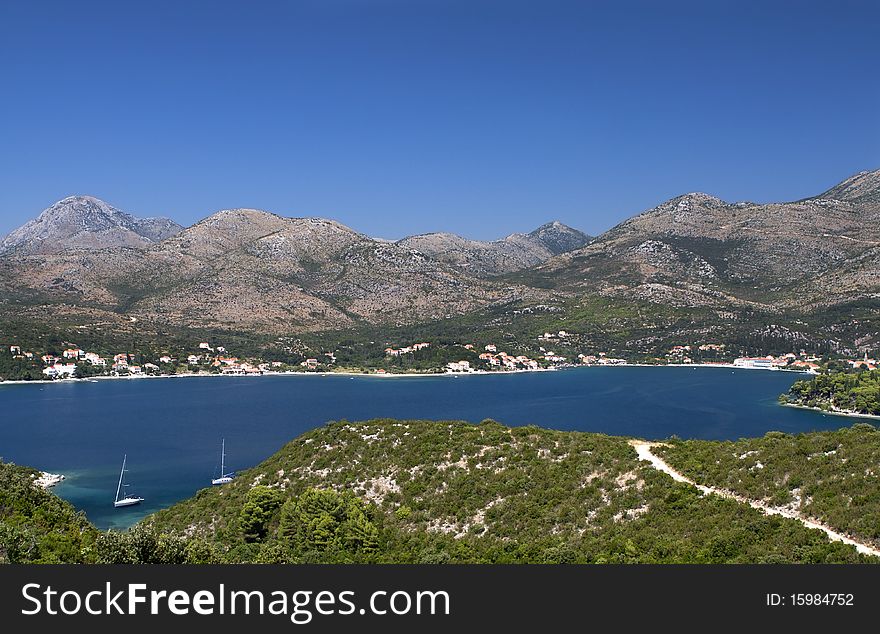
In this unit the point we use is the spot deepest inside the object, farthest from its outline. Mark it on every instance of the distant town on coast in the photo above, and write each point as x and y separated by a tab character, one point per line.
73	362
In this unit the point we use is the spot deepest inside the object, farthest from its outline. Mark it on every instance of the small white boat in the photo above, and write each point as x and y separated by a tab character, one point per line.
126	499
225	478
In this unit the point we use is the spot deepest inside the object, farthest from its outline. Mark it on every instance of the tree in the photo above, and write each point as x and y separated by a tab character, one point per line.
260	504
139	545
327	521
360	534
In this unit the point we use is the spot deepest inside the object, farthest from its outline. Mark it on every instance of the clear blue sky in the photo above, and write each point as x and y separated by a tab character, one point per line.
400	117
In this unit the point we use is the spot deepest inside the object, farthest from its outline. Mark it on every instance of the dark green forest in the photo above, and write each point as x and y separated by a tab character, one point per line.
846	391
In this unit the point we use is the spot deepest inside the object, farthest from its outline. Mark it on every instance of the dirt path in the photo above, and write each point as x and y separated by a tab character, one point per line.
643	449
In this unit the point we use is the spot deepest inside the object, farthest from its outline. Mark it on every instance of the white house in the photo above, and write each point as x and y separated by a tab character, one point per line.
764	363
60	370
95	359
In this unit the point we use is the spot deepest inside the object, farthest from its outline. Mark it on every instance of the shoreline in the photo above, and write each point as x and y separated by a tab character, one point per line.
832	412
204	375
695	365
352	373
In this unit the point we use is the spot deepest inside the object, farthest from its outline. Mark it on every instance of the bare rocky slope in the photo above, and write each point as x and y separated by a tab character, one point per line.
698	250
515	252
692	267
247	270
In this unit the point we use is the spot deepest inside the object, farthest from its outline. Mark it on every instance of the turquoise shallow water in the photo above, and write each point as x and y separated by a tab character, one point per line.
171	428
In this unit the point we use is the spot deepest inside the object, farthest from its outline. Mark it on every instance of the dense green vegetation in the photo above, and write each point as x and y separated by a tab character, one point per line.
833	476
629	328
37	526
19	368
455	492
846	391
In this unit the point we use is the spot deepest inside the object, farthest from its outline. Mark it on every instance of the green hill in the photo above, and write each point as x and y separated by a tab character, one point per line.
425	491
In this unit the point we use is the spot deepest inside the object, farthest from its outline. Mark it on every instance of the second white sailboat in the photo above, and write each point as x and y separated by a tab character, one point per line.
225	478
126	499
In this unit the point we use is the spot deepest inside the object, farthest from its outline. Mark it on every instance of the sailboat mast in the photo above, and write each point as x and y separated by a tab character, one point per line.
222	457
121	473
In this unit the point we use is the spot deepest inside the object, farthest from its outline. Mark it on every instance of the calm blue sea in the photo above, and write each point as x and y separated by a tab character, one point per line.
171	428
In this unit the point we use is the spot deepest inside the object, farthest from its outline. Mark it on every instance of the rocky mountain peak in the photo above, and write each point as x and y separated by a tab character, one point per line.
87	212
559	238
236	218
86	222
695	208
700	199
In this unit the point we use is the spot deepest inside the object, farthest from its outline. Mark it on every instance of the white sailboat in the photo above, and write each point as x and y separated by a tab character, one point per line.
225	478
126	500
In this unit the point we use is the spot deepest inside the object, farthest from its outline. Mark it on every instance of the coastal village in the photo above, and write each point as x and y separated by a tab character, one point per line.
207	358
789	361
74	362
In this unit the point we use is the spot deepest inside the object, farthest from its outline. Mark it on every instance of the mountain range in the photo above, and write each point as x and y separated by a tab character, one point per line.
698	250
810	264
252	270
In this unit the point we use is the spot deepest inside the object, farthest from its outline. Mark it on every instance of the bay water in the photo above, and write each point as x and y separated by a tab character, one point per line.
171	428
